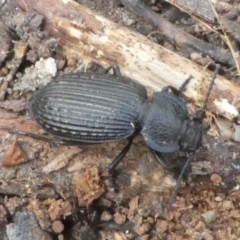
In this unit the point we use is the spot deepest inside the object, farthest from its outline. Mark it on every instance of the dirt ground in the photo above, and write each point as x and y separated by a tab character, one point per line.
65	192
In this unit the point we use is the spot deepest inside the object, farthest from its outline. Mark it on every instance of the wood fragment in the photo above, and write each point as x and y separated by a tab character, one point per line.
61	159
87	186
204	11
14	155
6	42
186	42
13	120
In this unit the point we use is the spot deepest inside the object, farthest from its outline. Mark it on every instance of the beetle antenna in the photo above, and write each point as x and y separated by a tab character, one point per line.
185	83
201	113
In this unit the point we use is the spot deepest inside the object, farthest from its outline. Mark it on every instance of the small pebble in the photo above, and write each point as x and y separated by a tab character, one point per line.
216	179
9	91
209	217
161	226
4	71
218	199
150	219
57	226
60	237
207	236
144	228
227	205
194	56
119	218
144	237
60	63
200	226
106	216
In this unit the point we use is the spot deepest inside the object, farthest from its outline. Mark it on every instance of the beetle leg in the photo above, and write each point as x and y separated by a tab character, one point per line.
27	134
180	89
55	142
175	190
116	71
161	158
120	156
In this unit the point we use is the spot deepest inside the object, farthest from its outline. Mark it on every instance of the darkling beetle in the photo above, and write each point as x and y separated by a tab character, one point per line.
94	108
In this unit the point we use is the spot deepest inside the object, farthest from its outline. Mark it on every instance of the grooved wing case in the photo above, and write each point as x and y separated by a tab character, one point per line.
88	107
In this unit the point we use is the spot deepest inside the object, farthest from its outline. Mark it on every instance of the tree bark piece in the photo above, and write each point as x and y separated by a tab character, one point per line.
6	42
92	37
186	42
227	13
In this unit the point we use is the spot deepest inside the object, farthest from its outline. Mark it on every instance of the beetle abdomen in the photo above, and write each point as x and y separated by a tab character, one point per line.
88	108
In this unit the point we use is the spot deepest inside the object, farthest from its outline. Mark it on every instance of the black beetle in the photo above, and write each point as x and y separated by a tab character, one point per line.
94	108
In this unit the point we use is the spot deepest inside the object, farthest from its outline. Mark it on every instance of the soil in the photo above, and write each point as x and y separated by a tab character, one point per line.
66	192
